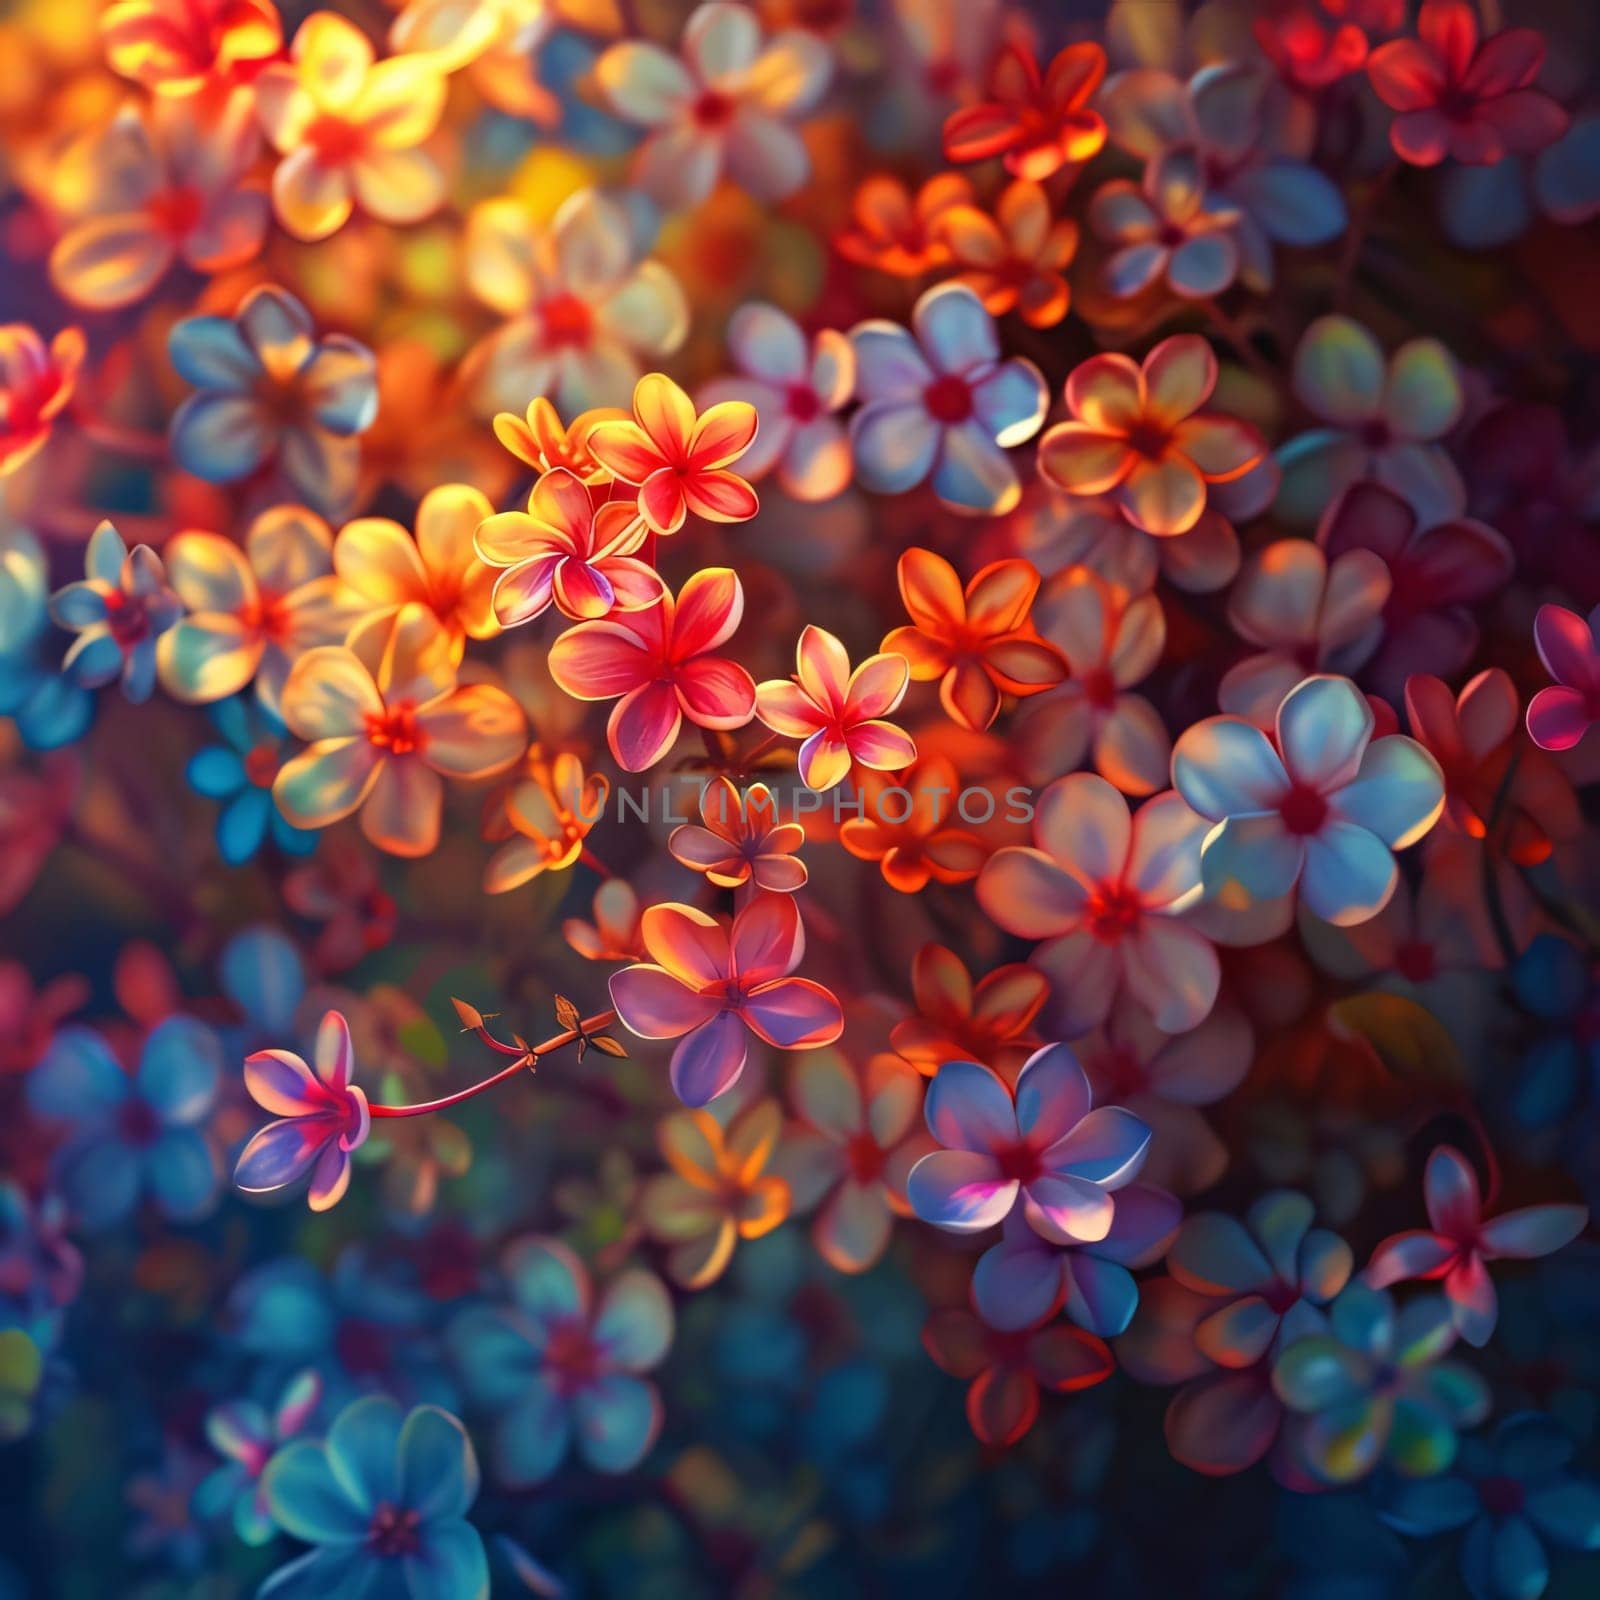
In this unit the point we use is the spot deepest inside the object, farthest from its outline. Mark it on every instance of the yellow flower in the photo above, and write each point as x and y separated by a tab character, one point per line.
387	723
387	568
551	811
348	127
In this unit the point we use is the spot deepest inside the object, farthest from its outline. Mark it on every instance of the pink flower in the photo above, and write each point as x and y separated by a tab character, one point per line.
1462	98
569	548
742	840
1461	1242
660	662
1111	642
709	987
838	713
323	1116
1045	1147
723	105
1167	227
1105	889
1558	717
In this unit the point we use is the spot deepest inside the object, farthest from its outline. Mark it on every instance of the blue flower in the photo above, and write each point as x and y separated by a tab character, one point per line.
1514	1496
1374	1388
245	1433
385	1500
939	402
50	710
240	773
560	1367
1554	982
132	1136
260	970
271	392
118	610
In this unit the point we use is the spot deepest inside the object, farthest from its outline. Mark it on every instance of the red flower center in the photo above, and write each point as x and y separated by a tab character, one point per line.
393	1531
395	729
1100	689
802	403
1112	912
567	320
1415	959
1018	1162
1303	810
261	764
1501	1497
865	1156
948	399
572	1361
712	109
336	141
138	1124
1149	439
175	211
127	618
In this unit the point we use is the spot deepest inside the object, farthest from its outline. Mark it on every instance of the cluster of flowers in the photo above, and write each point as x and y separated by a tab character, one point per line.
1101	466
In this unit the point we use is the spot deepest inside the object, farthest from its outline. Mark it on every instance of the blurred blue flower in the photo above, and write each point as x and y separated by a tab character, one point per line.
1373	1388
261	971
1514	1495
132	1136
50	710
385	1500
239	772
272	392
247	1435
559	1367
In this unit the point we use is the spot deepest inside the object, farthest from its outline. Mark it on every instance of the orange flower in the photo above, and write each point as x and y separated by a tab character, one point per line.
543	444
178	46
348	127
977	642
902	828
991	1022
718	1192
742	840
387	568
677	459
387	723
614	935
1139	435
551	812
35	385
1037	125
1014	260
894	233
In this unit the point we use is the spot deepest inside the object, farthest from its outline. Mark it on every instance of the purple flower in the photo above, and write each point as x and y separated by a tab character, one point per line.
1064	1159
938	402
245	1434
323	1116
1024	1279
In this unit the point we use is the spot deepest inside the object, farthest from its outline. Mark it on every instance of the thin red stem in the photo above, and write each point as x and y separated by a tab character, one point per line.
525	1060
594	863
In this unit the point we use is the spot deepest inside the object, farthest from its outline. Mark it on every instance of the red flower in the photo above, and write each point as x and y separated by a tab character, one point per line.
1007	1369
1462	98
1037	125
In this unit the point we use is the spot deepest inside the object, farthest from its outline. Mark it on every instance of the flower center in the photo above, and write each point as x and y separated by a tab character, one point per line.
712	109
138	1123
395	729
802	403
335	141
393	1531
1303	810
266	614
948	399
571	1360
1112	912
567	320
127	618
175	211
261	764
1149	439
1280	1296
1375	434
1019	1162
866	1157
1501	1497
1100	689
